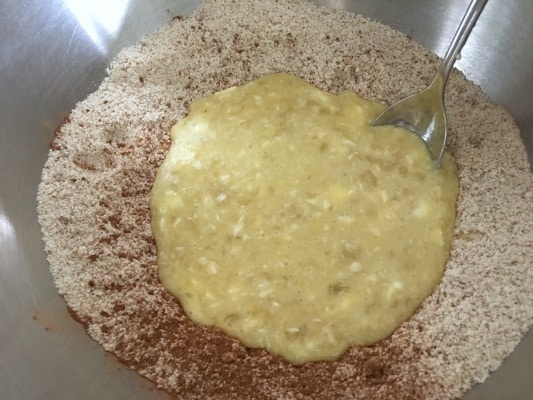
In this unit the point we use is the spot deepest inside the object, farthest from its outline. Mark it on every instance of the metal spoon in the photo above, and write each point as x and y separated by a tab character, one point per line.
423	113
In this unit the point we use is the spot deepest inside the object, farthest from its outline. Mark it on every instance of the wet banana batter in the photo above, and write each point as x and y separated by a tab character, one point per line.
282	217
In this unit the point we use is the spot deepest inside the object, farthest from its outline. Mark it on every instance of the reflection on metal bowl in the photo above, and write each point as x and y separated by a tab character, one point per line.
55	54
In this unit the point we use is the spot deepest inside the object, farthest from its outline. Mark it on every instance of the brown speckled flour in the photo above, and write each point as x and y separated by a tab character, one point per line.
94	210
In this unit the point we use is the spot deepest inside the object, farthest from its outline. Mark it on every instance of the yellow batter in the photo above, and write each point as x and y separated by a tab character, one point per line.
282	217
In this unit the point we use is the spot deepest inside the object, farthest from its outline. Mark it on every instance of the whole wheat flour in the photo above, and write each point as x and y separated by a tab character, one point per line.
94	209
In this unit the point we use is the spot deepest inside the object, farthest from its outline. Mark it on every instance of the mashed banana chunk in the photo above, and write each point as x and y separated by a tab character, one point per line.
283	218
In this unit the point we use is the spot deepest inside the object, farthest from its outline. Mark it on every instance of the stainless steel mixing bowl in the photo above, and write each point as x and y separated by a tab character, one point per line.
54	53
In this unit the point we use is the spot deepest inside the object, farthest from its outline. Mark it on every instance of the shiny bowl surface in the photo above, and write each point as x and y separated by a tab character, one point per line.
54	53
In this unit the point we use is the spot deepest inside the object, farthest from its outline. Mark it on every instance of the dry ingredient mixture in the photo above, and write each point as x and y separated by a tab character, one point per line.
94	210
284	218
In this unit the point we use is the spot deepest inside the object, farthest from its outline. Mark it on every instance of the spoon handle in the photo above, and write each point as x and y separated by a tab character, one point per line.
467	23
